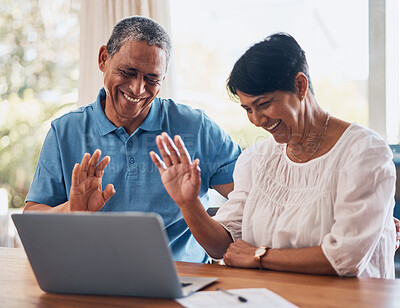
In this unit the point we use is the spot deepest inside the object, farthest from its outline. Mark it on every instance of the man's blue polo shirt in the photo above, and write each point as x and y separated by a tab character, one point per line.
136	179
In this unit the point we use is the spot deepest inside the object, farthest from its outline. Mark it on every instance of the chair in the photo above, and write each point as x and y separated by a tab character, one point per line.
215	201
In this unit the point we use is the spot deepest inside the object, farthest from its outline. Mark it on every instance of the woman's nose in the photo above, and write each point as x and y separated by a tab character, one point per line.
257	118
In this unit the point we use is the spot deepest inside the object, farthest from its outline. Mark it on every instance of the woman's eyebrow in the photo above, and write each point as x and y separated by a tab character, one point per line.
256	101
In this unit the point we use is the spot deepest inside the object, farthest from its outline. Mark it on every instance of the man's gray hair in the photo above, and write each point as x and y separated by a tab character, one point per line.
139	28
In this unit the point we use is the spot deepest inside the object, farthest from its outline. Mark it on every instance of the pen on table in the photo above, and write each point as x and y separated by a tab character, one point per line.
240	298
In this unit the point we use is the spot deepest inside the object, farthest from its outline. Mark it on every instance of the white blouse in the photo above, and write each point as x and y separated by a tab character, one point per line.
342	201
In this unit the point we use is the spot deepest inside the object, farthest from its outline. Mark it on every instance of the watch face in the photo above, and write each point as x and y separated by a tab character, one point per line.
260	251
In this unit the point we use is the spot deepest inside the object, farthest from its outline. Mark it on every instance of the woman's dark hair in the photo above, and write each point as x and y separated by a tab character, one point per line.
267	66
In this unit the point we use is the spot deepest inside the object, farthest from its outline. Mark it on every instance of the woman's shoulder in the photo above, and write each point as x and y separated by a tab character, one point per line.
356	129
361	137
258	149
261	146
358	140
248	160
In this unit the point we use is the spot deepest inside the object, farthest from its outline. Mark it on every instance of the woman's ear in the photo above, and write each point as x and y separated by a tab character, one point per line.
103	58
301	83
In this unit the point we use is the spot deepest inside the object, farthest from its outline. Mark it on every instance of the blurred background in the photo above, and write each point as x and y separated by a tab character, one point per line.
42	75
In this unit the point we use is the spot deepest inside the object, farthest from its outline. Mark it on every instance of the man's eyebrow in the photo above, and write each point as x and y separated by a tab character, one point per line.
134	70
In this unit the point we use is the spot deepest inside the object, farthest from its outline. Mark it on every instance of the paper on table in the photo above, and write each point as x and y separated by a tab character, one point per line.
258	297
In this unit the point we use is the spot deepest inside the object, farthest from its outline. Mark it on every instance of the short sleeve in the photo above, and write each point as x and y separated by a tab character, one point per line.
230	213
219	151
48	185
363	208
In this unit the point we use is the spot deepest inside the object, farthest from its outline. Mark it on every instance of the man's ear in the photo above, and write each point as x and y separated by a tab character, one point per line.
103	58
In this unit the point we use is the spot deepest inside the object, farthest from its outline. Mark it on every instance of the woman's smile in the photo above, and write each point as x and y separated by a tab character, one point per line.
272	128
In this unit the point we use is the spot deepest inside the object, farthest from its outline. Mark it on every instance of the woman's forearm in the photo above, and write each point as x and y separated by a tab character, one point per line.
208	232
302	260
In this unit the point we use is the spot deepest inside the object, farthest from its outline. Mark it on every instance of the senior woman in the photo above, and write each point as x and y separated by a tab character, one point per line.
316	198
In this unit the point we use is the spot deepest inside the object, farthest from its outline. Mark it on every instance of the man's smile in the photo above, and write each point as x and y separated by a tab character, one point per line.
133	100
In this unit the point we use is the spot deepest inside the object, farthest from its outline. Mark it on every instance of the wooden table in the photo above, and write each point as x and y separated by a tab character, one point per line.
18	287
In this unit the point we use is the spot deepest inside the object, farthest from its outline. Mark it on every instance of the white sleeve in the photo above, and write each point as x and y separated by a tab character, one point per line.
364	206
230	213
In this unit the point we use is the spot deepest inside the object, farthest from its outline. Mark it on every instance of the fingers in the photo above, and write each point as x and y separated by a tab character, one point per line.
228	259
195	173
93	162
99	170
158	162
168	150
172	152
84	167
89	166
172	149
184	154
397	225
163	151
75	175
108	192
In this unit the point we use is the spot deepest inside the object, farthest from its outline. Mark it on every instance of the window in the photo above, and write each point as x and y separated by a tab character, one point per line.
209	36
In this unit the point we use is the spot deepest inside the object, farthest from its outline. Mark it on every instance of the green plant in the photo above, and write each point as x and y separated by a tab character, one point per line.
24	123
38	80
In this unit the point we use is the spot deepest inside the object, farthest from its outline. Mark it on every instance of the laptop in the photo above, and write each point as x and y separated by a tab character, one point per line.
123	254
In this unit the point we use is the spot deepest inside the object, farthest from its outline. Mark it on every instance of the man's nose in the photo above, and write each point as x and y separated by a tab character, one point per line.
137	86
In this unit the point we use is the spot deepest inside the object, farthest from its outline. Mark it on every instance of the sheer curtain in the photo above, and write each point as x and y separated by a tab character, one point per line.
98	17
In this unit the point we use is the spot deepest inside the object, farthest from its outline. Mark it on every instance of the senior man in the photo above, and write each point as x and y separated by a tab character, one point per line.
118	131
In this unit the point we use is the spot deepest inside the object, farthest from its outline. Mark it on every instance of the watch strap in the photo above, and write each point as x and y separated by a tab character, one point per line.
258	257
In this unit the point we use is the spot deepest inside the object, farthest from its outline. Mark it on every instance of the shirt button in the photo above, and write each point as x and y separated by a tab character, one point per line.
131	160
130	143
121	132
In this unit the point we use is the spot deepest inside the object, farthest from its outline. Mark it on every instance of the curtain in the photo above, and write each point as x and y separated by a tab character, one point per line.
98	18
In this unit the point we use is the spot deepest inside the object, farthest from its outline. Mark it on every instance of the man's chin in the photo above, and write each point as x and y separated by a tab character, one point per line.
130	114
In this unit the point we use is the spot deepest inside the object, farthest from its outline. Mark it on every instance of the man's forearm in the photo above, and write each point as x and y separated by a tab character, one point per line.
33	206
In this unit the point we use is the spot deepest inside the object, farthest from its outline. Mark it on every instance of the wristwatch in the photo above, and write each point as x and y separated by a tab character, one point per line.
260	252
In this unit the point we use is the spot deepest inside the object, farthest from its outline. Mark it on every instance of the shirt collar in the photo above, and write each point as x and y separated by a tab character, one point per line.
151	123
103	123
154	117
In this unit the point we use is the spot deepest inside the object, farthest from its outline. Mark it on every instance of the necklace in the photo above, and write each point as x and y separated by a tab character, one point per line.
323	132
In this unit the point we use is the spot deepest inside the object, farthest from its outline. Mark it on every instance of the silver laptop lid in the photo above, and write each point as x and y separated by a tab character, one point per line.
99	253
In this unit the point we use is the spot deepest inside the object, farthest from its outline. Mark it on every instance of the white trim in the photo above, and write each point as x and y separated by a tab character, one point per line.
377	65
384	69
392	70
